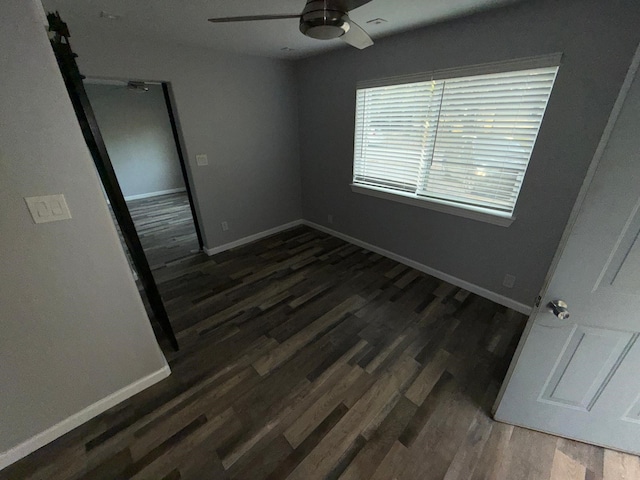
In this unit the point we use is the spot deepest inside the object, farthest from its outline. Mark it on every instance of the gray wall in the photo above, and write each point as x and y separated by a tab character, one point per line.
239	110
74	329
137	133
598	40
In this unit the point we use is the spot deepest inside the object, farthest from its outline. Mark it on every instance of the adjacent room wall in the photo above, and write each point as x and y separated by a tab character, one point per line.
75	336
597	40
241	111
137	133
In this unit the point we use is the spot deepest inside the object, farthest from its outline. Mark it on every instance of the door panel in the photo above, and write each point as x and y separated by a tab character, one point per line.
580	377
623	272
572	381
633	415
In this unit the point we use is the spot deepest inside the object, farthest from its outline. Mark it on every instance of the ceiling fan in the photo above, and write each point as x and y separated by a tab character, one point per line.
323	20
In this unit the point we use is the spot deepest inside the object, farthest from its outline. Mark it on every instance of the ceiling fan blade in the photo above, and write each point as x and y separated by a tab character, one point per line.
251	18
353	4
356	36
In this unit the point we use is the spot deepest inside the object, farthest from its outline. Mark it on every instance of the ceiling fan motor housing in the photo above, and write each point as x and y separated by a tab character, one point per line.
323	20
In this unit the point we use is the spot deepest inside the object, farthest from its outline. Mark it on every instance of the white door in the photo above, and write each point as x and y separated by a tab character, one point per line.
580	377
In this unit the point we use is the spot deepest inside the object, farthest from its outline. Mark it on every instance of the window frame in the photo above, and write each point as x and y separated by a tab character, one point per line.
467	211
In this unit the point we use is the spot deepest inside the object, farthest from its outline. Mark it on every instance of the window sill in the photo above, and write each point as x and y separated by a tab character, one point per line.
439	206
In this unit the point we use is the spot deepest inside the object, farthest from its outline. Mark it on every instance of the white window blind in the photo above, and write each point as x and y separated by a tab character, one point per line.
464	140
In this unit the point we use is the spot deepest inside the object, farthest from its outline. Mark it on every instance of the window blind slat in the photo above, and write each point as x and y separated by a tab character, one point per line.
470	190
472	193
496	143
478	194
495	182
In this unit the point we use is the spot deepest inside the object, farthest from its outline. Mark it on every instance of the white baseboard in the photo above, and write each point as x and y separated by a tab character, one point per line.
252	238
77	419
154	194
483	292
150	194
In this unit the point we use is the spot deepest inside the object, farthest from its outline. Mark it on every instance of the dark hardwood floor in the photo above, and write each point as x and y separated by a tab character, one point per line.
305	357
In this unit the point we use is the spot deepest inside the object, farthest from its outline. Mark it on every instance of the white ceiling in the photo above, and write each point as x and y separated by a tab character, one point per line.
185	21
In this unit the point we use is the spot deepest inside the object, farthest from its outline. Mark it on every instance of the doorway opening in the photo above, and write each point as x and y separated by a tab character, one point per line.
138	126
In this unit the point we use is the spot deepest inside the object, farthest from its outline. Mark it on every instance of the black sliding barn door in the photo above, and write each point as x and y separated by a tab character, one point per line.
73	81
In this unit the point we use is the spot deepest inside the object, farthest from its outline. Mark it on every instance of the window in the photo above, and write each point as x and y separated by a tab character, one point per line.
463	141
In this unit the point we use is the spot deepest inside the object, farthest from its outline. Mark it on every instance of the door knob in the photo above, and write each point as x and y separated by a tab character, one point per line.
559	309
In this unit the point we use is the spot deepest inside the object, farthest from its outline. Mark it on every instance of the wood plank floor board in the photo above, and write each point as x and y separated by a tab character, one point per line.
588	455
493	463
305	357
437	443
328	402
293	460
322	460
265	461
393	464
469	453
368	459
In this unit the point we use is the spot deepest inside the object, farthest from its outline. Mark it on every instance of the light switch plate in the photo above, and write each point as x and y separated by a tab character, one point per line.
202	160
48	208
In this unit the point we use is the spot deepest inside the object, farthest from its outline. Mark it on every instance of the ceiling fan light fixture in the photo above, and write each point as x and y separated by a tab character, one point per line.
324	24
321	20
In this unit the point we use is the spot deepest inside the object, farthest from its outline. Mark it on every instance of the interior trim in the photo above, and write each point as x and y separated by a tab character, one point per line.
154	194
41	439
438	206
541	61
252	238
458	282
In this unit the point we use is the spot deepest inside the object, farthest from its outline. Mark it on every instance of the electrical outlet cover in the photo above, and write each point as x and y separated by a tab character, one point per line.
509	281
